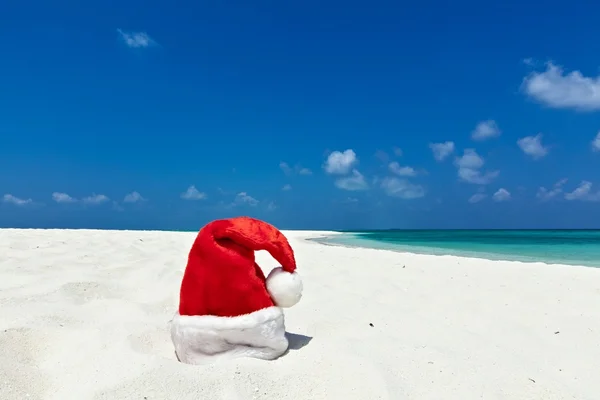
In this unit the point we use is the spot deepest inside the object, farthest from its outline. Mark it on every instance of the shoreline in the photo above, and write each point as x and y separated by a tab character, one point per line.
322	241
313	236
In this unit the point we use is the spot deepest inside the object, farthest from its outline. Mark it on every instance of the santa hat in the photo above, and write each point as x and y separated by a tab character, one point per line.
227	308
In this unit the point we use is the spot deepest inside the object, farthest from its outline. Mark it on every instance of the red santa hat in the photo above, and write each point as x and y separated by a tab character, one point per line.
227	308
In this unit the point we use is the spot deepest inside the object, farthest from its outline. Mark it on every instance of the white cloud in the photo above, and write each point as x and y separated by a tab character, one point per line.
398	151
532	146
557	188
9	198
485	130
133	197
501	195
470	159
286	187
469	168
402	188
476	177
340	163
193	194
245	198
136	39
271	206
63	198
441	150
477	197
285	167
596	142
354	182
401	171
95	199
583	192
556	89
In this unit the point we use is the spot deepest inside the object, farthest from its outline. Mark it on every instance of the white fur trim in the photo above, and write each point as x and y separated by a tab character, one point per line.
204	339
284	287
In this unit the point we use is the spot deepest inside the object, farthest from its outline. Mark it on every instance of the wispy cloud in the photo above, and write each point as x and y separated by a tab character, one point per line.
583	192
395	167
136	39
548	194
63	198
356	181
117	206
402	188
382	156
477	197
501	195
385	158
10	199
245	198
95	199
133	197
193	194
596	143
298	169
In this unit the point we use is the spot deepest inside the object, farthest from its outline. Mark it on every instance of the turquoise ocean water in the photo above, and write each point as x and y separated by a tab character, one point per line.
572	247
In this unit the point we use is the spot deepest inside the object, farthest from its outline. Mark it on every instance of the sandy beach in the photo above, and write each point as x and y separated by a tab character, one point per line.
85	314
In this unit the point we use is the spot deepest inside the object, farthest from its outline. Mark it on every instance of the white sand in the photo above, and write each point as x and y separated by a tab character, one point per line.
84	315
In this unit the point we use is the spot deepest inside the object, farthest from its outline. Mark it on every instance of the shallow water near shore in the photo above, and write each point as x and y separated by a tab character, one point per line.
569	247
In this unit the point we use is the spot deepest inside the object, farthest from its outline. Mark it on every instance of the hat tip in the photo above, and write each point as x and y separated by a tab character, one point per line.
285	288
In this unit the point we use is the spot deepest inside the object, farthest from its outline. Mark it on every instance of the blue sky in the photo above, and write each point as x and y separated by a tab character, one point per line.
310	115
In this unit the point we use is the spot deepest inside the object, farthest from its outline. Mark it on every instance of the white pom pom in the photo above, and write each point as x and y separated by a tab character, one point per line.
284	287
